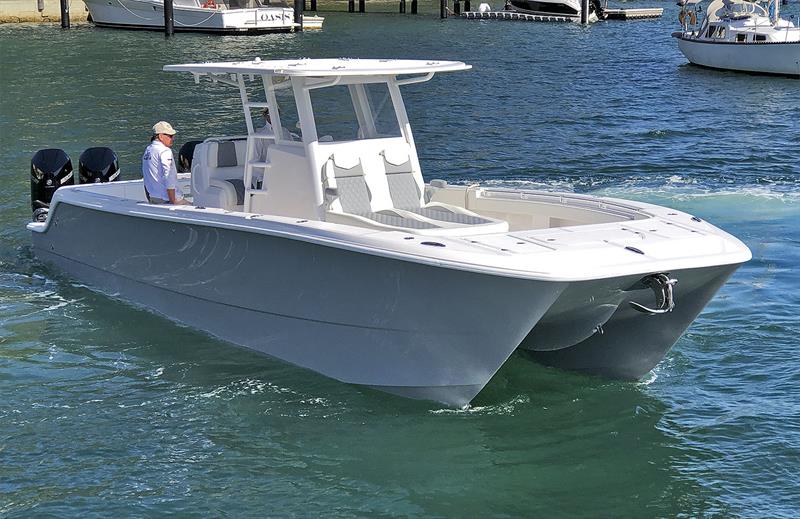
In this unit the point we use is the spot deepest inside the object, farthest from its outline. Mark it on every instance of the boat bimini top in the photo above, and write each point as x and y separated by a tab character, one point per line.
350	158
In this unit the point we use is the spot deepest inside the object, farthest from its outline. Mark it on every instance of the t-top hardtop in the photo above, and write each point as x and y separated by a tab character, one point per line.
325	67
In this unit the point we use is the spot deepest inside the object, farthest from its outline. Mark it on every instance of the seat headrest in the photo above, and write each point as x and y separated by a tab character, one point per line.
226	154
395	157
345	161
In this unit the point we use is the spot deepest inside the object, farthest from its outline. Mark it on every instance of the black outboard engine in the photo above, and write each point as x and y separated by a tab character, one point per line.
50	169
185	156
98	165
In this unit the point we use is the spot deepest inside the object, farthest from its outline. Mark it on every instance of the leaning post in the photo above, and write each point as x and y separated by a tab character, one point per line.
298	15
584	11
169	19
65	14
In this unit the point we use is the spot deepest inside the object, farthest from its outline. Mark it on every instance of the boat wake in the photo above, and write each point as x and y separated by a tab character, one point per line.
501	409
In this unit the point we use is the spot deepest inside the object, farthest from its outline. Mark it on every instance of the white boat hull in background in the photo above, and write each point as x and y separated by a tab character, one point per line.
149	14
762	57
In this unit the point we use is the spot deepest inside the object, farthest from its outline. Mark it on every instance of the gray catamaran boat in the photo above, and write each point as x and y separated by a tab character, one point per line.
325	248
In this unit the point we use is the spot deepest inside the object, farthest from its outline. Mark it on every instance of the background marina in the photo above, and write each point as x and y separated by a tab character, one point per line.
109	409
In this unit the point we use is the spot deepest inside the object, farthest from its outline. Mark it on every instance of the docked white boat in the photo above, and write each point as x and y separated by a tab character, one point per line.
570	9
216	16
740	35
326	249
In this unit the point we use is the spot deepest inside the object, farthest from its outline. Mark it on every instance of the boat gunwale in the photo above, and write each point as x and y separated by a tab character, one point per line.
293	228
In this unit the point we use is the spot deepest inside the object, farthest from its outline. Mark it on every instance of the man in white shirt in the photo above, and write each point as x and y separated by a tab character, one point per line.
158	167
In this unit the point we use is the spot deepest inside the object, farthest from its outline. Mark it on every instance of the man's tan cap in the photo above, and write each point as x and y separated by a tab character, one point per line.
163	127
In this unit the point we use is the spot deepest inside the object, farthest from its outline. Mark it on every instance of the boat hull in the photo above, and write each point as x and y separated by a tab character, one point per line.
146	14
592	328
566	8
411	329
775	58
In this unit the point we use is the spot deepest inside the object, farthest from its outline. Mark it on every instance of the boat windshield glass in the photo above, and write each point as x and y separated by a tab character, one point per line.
352	112
382	110
334	114
287	109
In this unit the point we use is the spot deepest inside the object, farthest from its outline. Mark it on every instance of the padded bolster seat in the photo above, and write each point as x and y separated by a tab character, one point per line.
407	212
406	195
354	193
389	217
219	182
443	214
238	185
227	157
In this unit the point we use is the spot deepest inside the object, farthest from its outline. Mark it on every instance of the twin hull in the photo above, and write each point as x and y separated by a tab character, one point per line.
412	329
761	57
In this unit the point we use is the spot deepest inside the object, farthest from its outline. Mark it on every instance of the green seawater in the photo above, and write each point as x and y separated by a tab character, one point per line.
109	411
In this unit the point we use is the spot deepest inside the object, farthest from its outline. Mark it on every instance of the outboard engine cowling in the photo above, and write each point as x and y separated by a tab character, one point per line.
98	165
185	156
50	169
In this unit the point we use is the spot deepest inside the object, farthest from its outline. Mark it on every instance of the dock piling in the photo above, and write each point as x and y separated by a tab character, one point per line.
466	6
457	7
413	6
584	11
402	6
351	6
169	19
298	15
314	5
443	9
361	6
65	14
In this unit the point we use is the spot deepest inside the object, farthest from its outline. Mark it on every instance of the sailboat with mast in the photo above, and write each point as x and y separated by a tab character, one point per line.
739	35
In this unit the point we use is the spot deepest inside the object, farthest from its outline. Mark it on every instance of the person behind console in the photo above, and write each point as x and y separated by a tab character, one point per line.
158	167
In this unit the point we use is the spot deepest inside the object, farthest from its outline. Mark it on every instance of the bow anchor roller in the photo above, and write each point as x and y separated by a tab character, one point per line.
661	285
